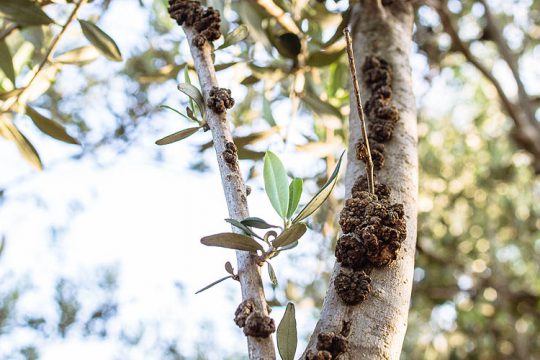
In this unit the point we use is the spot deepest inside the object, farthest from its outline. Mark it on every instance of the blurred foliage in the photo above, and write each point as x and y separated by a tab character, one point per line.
476	292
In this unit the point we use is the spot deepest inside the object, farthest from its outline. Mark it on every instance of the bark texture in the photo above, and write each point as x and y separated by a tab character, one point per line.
378	325
235	192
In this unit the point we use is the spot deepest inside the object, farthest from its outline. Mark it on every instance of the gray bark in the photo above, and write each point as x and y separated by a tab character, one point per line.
235	195
378	325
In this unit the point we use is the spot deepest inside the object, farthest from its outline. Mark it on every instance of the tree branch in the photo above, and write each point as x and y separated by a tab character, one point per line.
527	130
378	324
235	193
281	17
510	58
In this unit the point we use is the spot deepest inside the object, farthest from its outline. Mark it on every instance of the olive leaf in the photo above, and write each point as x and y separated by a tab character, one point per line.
320	107
290	235
276	183
214	283
194	94
78	56
229	268
100	40
289	247
235	36
25	147
287	334
232	241
321	196
295	192
272	275
267	112
257	223
242	227
323	58
187	79
6	62
50	127
23	12
177	136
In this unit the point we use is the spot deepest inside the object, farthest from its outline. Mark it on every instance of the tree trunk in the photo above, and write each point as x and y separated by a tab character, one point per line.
378	325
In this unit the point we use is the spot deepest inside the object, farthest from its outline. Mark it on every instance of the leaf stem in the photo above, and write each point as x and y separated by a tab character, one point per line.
356	88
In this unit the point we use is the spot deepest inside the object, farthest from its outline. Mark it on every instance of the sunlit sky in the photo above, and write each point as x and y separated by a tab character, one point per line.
141	217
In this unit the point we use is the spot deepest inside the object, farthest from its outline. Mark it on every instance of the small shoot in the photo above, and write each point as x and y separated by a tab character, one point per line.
284	197
195	97
230	270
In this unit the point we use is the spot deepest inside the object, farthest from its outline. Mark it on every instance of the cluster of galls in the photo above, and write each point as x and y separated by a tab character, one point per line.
220	99
191	13
329	346
253	321
381	114
230	155
373	231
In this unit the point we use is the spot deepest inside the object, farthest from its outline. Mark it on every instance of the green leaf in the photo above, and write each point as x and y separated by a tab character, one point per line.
295	192
242	227
235	36
25	147
100	40
320	107
247	154
187	79
267	112
176	111
194	94
229	268
272	275
214	283
287	335
321	196
290	235
177	136
253	20
78	56
276	183
50	127
257	223
23	12
289	247
324	58
232	241
6	62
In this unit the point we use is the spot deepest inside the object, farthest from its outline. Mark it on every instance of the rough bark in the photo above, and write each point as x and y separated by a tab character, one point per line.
235	193
378	325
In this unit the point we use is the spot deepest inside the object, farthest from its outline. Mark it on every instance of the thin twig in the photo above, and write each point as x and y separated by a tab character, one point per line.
508	55
55	42
356	87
